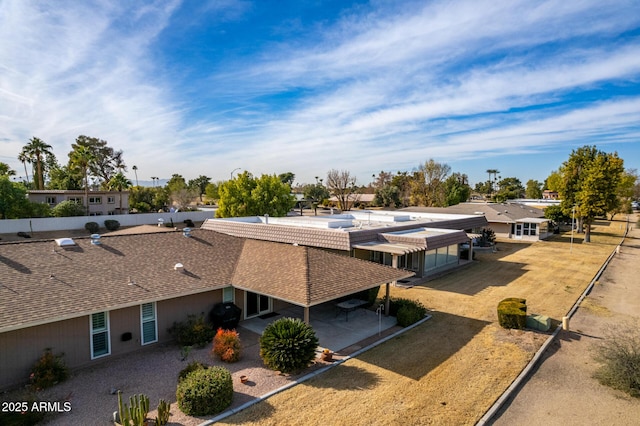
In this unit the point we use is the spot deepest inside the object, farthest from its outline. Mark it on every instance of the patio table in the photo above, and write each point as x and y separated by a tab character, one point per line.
350	305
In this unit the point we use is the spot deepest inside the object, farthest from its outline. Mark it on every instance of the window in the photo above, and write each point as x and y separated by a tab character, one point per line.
111	200
95	200
529	229
51	200
100	335
75	199
148	324
227	294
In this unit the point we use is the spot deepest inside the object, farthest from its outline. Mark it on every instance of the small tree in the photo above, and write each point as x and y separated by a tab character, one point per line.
68	208
288	345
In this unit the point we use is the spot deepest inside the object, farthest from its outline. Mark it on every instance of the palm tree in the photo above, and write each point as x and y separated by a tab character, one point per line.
493	172
81	159
6	170
135	170
35	150
119	182
24	159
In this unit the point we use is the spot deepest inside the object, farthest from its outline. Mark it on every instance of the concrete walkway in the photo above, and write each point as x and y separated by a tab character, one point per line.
562	390
332	328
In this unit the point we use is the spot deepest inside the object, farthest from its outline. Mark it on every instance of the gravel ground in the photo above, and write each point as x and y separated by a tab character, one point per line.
562	390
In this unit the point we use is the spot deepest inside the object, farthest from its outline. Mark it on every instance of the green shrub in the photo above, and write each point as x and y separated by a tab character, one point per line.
396	303
226	345
205	391
619	354
192	366
49	370
68	208
194	332
410	313
111	224
512	313
288	345
92	227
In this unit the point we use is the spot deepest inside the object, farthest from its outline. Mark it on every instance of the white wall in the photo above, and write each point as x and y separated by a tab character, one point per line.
10	226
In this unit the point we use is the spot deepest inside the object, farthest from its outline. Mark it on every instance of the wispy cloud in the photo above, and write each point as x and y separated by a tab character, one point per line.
382	86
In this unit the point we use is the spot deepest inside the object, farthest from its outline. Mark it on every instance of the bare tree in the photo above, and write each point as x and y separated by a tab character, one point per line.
342	186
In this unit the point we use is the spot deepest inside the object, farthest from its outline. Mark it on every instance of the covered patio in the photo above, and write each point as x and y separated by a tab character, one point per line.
332	328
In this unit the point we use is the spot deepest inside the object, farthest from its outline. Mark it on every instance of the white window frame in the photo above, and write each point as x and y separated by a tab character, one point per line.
226	297
75	199
111	200
95	200
102	330
51	199
149	319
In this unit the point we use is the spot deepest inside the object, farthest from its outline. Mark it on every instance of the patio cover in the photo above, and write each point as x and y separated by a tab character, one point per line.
532	220
306	276
391	248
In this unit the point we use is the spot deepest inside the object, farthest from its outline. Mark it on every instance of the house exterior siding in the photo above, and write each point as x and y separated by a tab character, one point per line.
22	348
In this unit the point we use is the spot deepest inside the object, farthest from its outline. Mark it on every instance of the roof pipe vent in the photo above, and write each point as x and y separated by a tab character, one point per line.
186	232
178	267
266	219
95	239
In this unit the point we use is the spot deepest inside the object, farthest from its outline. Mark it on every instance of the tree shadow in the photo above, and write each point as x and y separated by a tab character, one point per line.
346	377
422	351
15	265
256	413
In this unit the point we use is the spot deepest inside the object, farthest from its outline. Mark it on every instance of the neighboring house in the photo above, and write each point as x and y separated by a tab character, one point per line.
547	194
100	202
507	220
356	200
424	243
95	298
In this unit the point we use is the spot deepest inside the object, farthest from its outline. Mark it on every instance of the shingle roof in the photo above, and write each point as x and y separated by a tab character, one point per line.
41	282
494	212
306	276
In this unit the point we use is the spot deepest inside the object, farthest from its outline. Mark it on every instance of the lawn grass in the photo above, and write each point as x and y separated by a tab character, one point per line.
452	368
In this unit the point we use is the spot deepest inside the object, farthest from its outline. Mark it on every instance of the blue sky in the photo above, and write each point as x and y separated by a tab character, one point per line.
205	87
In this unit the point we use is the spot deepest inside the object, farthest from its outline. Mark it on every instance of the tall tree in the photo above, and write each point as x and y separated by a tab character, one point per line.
315	194
428	186
533	189
342	185
402	181
493	172
590	179
105	160
509	189
80	160
13	198
37	151
119	183
287	178
6	170
248	196
199	185
24	159
135	171
456	189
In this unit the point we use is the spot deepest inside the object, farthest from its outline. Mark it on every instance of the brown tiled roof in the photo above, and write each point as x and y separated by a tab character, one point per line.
306	276
494	212
41	282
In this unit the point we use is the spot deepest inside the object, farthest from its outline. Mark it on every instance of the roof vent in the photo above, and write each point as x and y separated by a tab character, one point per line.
266	219
65	242
160	222
178	267
186	232
95	239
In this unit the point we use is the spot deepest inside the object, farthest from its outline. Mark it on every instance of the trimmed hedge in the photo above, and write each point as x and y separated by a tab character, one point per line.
111	224
205	391
92	227
512	313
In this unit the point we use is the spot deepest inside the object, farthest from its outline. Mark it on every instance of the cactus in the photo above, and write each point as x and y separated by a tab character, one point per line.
136	413
164	410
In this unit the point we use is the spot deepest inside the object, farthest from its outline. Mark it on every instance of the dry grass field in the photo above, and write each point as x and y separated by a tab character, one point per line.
451	369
